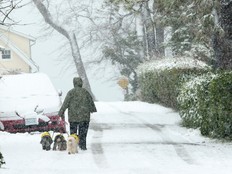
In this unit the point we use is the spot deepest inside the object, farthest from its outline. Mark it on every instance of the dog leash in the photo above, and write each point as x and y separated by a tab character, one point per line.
53	132
68	134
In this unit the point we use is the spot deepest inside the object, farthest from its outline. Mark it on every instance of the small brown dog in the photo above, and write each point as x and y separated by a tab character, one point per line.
59	143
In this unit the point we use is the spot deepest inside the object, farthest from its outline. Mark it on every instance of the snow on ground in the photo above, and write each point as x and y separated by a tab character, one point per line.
124	138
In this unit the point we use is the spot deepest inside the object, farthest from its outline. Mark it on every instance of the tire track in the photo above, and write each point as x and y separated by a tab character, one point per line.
97	149
179	148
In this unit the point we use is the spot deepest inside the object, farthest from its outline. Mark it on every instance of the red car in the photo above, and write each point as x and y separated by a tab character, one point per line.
29	102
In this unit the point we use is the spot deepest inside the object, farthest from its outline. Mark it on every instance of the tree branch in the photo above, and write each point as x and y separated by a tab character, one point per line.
48	18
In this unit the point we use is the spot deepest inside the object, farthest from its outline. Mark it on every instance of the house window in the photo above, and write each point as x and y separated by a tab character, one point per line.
6	54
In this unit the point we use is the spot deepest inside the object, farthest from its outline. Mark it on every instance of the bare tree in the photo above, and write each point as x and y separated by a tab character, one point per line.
6	8
70	36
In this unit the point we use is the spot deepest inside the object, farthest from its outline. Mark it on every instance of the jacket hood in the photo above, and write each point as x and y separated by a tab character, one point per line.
77	82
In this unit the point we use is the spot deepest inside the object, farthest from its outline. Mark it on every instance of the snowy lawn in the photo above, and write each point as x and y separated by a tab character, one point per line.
124	138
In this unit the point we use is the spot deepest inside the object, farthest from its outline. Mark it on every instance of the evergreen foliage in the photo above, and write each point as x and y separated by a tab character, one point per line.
123	47
201	29
125	53
147	87
192	25
162	85
205	103
217	121
189	102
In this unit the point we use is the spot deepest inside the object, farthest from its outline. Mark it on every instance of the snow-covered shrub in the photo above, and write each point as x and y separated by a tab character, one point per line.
205	102
217	118
189	99
147	87
160	80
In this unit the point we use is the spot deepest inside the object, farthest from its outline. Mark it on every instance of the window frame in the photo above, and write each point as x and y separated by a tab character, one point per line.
6	54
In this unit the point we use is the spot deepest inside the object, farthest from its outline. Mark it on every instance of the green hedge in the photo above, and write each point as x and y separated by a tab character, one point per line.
217	121
191	99
163	86
147	86
206	102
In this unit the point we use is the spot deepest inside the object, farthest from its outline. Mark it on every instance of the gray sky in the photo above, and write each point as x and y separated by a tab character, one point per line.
46	54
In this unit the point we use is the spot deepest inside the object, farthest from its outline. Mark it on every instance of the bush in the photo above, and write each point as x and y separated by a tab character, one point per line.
205	102
219	106
190	99
160	80
147	88
163	87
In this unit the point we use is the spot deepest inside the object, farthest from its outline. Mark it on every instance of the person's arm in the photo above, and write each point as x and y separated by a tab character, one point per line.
65	105
91	104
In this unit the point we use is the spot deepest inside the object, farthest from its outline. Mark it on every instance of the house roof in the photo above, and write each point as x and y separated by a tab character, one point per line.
17	32
17	50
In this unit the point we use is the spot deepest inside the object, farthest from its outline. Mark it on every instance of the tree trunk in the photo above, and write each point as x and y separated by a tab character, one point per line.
72	41
159	30
145	47
149	31
222	42
79	63
160	41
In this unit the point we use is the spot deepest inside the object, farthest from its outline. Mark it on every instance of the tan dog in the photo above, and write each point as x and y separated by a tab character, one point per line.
72	144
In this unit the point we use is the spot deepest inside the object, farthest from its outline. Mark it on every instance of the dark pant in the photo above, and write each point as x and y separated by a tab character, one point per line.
82	131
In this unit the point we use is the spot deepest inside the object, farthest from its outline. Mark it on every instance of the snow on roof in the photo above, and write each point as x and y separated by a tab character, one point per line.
10	29
26	91
169	63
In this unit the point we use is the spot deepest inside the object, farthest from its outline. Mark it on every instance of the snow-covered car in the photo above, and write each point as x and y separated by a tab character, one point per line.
29	102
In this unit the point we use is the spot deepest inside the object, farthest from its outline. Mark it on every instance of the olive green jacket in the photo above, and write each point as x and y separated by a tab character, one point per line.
79	103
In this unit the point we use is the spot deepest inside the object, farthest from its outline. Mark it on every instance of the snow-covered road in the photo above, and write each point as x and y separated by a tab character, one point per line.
124	138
